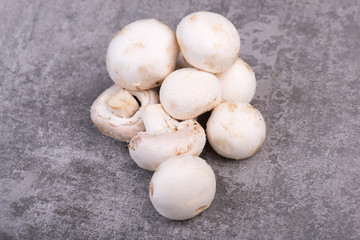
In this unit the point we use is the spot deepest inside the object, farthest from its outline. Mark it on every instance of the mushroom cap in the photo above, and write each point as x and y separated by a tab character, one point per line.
208	41
122	129
142	54
186	93
238	82
236	130
182	187
150	149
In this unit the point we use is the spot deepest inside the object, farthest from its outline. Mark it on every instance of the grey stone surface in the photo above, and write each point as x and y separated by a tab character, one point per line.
60	178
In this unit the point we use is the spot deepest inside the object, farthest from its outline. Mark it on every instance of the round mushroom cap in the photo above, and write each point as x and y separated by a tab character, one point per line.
236	130
208	41
142	54
119	128
182	187
186	93
238	82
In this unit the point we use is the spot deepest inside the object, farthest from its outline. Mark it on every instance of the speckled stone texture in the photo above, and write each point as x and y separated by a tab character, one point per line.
60	178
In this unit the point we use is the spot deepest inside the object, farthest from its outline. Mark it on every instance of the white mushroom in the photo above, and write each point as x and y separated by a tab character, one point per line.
238	82
164	138
208	41
186	93
182	187
115	112
142	54
236	130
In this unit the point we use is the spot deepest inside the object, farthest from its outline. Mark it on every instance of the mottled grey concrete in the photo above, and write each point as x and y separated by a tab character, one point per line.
60	178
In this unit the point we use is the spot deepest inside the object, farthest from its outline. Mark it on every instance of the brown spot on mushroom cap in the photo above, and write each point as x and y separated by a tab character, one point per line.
151	188
202	208
193	17
211	61
232	106
134	46
224	145
173	105
142	70
218	46
186	124
134	143
138	45
181	151
217	28
193	127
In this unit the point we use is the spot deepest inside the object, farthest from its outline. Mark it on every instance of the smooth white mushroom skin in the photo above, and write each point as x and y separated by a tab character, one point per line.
208	41
186	93
238	82
142	54
165	138
236	130
182	187
106	119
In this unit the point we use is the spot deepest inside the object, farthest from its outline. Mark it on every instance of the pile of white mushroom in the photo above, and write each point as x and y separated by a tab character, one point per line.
163	134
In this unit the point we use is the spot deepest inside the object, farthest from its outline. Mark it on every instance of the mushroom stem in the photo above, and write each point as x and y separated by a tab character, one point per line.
123	104
156	119
164	138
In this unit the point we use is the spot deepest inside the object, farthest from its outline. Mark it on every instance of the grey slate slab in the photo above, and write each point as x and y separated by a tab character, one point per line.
60	178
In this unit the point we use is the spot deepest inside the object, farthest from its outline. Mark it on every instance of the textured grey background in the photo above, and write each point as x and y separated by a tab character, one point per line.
60	178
